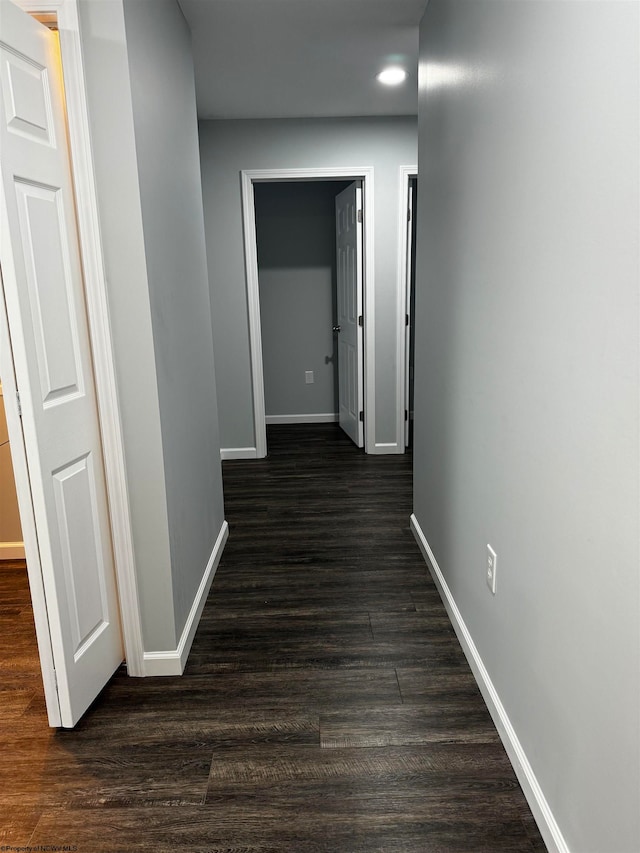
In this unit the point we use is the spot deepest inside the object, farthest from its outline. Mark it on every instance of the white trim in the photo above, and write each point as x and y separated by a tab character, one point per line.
253	305
385	448
173	662
328	418
542	813
238	453
99	323
101	340
357	173
402	287
11	550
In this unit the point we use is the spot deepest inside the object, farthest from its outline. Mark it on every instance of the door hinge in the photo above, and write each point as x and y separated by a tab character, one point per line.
19	404
409	215
406	415
360	320
360	216
406	319
362	416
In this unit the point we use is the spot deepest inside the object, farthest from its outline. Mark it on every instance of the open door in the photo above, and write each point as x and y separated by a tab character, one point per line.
350	317
410	306
49	342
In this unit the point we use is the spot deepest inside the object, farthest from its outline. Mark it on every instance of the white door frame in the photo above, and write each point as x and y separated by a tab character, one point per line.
66	12
405	173
251	176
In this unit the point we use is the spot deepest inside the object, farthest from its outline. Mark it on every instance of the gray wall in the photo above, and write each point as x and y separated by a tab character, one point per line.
527	378
116	173
227	147
142	119
165	120
296	237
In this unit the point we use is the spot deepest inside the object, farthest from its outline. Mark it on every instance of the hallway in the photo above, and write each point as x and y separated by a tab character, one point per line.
326	705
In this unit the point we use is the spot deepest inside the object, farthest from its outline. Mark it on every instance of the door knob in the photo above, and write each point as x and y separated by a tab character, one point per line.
337	328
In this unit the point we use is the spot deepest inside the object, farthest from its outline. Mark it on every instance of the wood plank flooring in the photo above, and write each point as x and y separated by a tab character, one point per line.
326	705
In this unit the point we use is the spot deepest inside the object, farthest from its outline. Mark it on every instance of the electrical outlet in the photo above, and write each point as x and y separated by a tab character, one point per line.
492	564
308	377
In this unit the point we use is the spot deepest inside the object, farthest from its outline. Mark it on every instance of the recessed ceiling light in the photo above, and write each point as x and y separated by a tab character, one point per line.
392	76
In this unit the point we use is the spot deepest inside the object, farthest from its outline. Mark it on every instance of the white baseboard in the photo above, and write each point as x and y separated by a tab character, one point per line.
173	661
383	448
238	453
322	418
542	813
11	550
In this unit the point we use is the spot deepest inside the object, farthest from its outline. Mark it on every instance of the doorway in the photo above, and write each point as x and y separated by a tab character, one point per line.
411	304
407	220
298	288
11	543
19	662
250	184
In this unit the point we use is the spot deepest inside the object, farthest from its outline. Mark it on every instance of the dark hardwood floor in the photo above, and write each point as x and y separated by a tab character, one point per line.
326	705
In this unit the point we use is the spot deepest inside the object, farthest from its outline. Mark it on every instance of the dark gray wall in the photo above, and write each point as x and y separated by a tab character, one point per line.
295	226
527	377
227	147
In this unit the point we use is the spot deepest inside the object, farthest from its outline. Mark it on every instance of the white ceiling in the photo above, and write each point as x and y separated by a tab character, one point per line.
302	58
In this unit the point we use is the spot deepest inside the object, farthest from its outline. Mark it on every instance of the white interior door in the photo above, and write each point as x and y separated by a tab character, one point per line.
350	317
43	291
